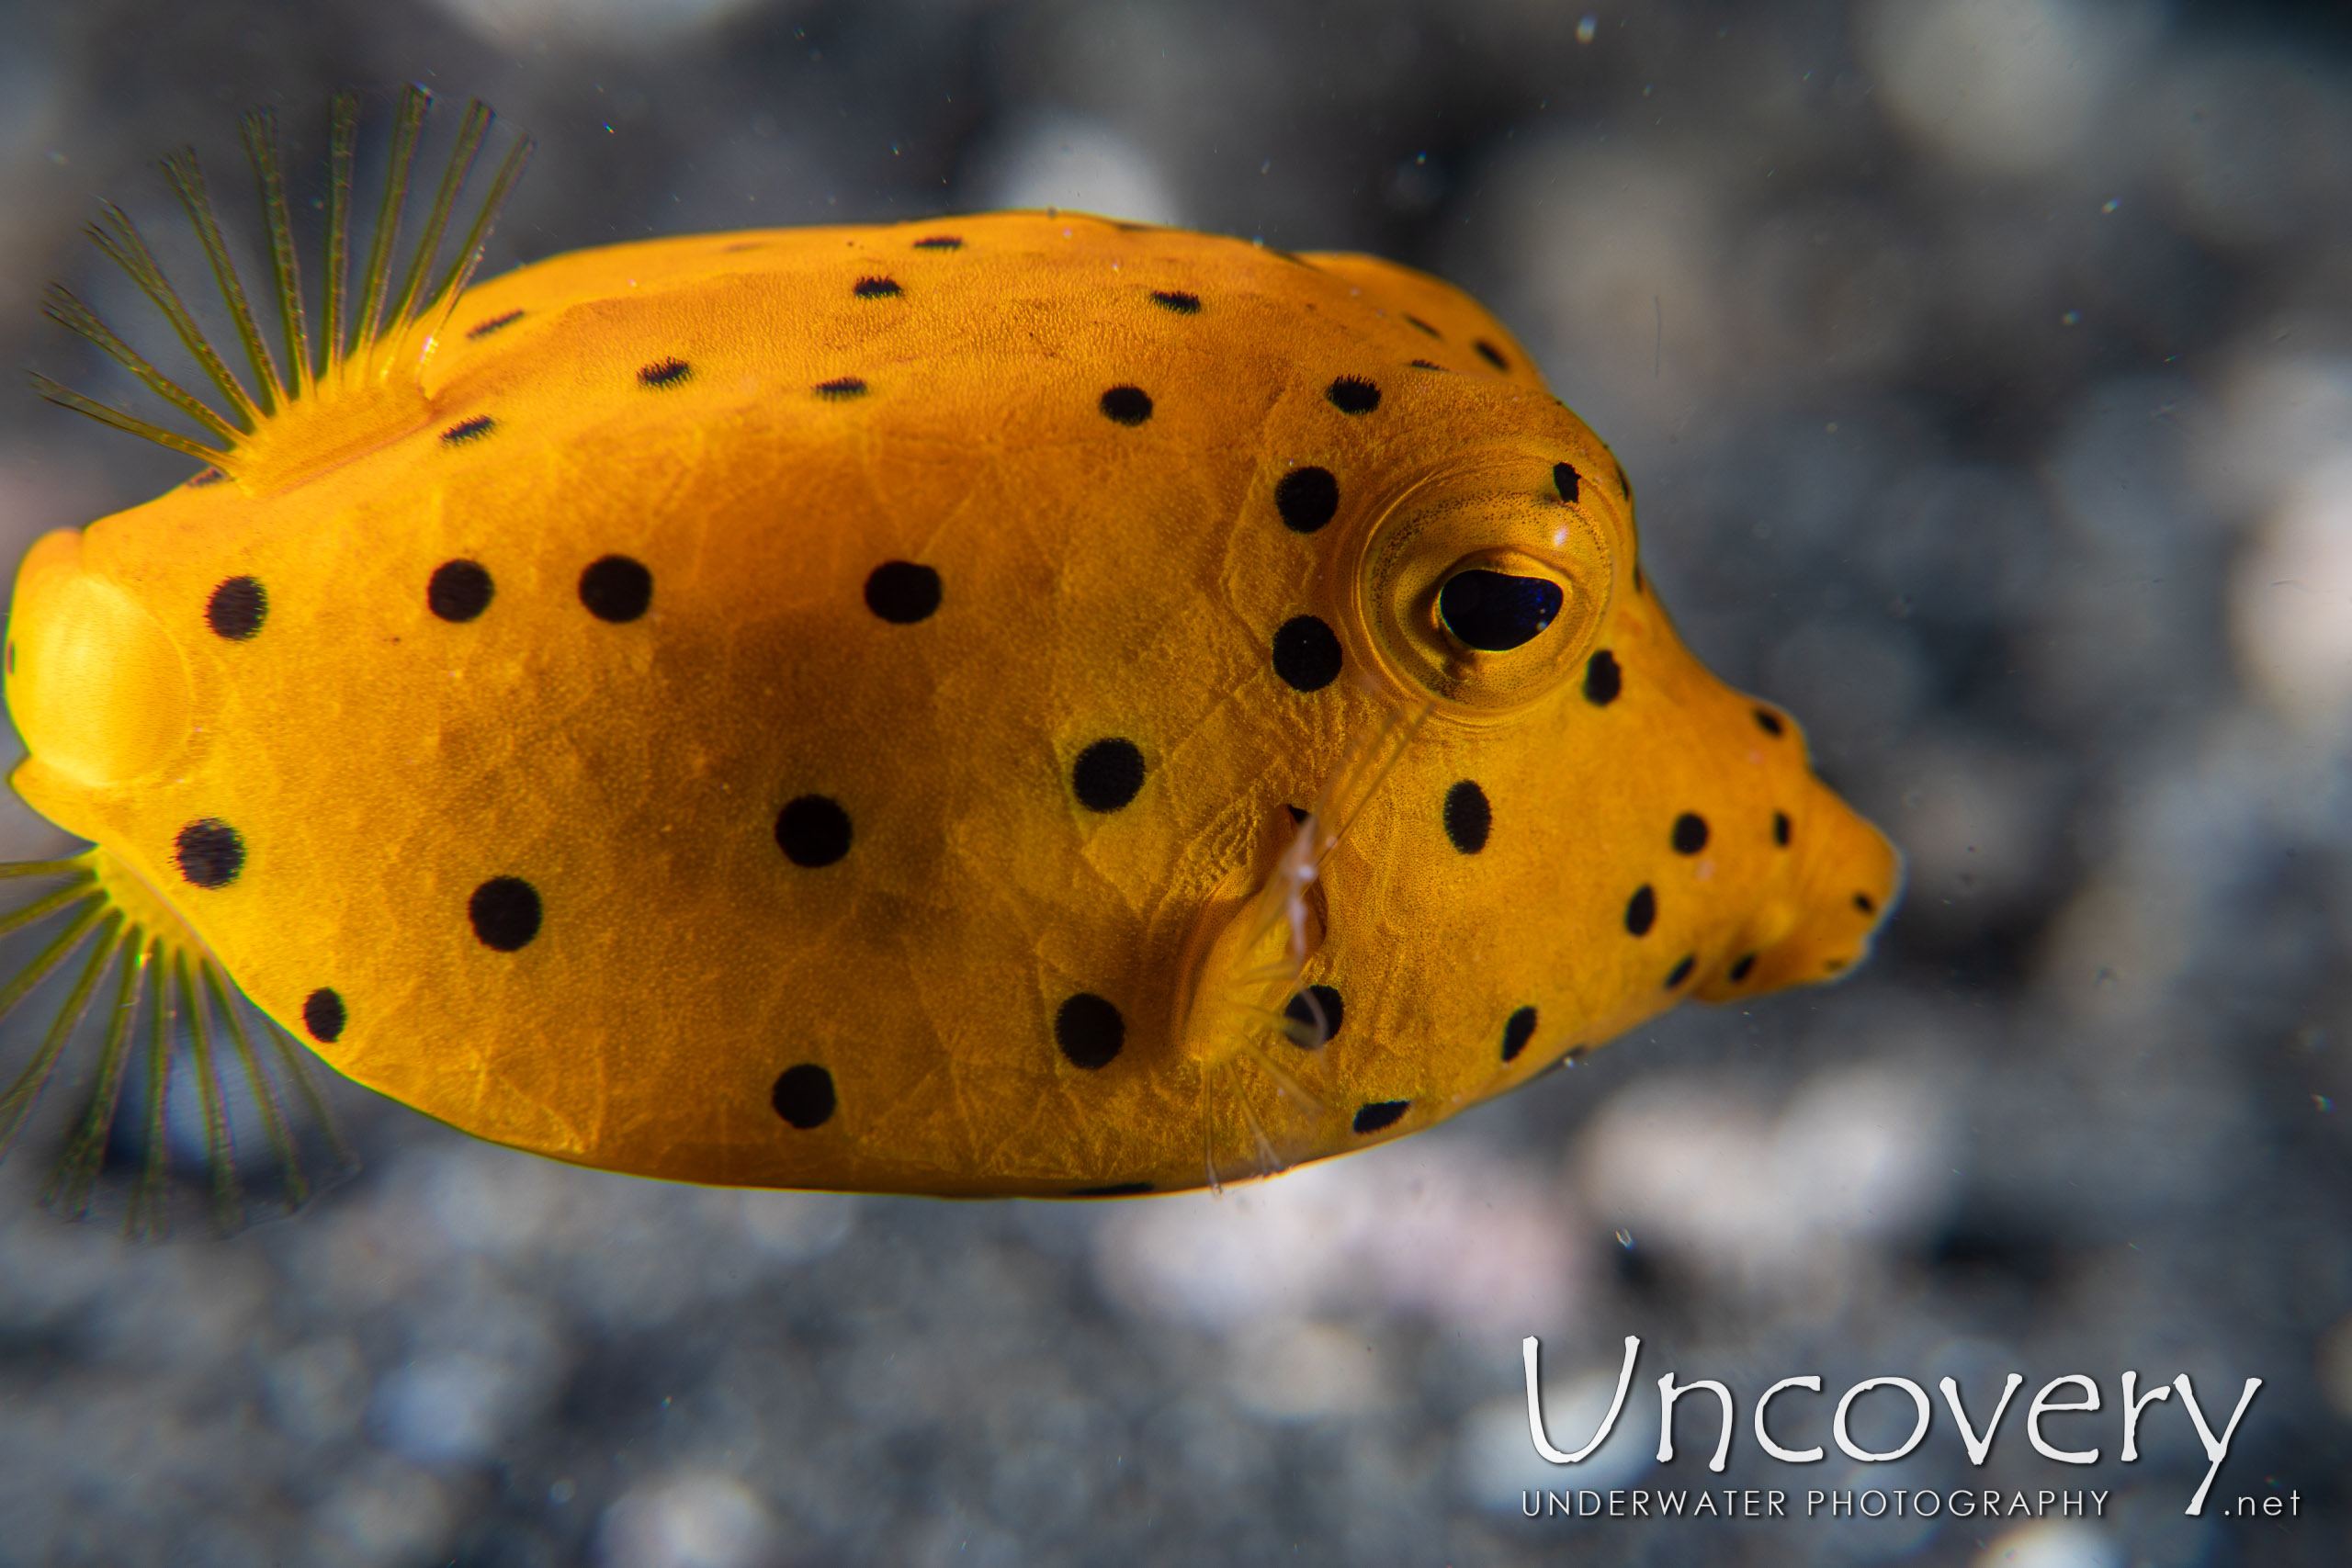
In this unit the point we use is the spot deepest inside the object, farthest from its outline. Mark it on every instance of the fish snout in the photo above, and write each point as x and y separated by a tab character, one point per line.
1844	880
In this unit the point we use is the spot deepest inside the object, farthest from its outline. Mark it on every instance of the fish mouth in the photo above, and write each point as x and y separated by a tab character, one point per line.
1825	921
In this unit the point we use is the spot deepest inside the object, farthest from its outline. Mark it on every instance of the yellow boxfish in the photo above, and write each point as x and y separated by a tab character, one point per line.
1016	704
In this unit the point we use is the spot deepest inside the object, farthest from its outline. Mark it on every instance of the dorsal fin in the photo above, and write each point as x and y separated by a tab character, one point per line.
300	413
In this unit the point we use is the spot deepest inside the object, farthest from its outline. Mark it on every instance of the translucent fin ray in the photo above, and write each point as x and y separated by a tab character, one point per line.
1280	906
372	330
1270	1143
220	1151
470	132
408	126
186	1101
260	132
342	160
444	298
146	1219
75	866
66	398
88	908
63	307
119	239
341	1158
1251	981
17	1104
1364	767
72	1184
186	180
40	909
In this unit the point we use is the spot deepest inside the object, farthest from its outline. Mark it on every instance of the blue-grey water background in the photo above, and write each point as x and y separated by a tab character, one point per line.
1985	371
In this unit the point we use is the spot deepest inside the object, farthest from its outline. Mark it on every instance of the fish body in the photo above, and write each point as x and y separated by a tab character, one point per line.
1007	704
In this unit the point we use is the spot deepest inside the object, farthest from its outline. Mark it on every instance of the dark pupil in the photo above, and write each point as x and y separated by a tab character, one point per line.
1492	611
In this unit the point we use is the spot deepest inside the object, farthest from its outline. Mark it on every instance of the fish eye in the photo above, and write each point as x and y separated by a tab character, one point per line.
1494	612
1481	588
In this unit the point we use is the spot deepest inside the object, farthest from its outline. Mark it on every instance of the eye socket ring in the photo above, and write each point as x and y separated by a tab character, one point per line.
1480	590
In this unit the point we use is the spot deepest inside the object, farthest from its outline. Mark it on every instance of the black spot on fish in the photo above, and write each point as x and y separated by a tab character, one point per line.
324	1015
483	329
902	593
813	831
459	590
210	853
1126	405
237	608
1602	678
1307	654
1468	817
1641	910
1107	775
1306	497
1518	1031
616	589
1090	1031
505	913
1335	1013
804	1097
